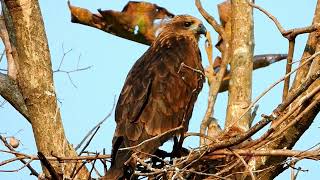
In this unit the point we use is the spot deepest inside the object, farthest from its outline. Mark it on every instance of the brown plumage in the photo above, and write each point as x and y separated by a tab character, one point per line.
160	90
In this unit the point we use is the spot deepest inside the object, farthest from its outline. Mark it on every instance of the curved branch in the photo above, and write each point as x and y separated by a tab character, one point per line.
217	27
10	92
12	69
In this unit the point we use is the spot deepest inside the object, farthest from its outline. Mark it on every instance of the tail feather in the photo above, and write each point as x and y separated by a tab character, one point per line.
118	159
114	174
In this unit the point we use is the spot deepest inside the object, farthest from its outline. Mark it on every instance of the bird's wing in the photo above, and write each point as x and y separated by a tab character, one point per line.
174	88
133	98
155	97
167	104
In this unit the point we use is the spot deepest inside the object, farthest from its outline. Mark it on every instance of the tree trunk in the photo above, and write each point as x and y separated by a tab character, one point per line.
308	51
289	137
35	81
242	46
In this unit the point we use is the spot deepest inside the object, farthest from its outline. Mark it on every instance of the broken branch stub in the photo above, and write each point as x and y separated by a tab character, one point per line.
138	21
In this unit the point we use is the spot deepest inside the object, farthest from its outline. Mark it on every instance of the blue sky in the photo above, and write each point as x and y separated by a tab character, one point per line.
111	58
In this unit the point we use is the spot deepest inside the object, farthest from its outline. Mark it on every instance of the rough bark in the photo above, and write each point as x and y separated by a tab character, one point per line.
286	140
35	81
241	65
289	138
10	91
308	51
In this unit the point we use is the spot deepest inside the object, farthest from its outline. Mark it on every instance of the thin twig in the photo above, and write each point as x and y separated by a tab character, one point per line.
313	154
89	141
289	34
60	159
2	55
200	135
204	174
302	88
16	170
217	27
282	107
228	168
83	149
46	163
165	134
68	73
225	144
276	83
10	160
214	81
244	163
96	171
33	171
303	113
63	56
210	75
288	69
11	61
94	130
104	162
73	176
90	172
292	172
97	126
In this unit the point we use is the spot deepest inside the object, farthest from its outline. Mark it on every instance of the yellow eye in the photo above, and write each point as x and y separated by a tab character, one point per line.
187	24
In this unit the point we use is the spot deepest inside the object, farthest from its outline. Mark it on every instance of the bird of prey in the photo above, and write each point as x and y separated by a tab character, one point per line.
159	92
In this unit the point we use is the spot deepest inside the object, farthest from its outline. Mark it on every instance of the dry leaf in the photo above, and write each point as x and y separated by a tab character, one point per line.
138	21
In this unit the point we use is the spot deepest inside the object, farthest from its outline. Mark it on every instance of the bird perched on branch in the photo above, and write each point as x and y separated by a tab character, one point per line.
159	92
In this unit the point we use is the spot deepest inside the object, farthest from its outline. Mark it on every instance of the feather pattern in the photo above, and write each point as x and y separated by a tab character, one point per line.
160	90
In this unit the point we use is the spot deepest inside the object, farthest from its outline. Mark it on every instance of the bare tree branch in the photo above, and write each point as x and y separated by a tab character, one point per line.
97	126
49	167
11	62
280	80
214	79
313	155
35	81
310	49
290	35
33	171
10	91
218	28
288	68
245	164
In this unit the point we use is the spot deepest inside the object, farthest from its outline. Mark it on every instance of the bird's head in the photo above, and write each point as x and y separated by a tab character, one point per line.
184	25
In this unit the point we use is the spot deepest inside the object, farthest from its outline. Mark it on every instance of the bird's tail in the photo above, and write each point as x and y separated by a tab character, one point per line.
114	173
118	170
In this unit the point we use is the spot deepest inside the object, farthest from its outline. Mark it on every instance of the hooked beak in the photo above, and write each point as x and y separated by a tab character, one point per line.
201	29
